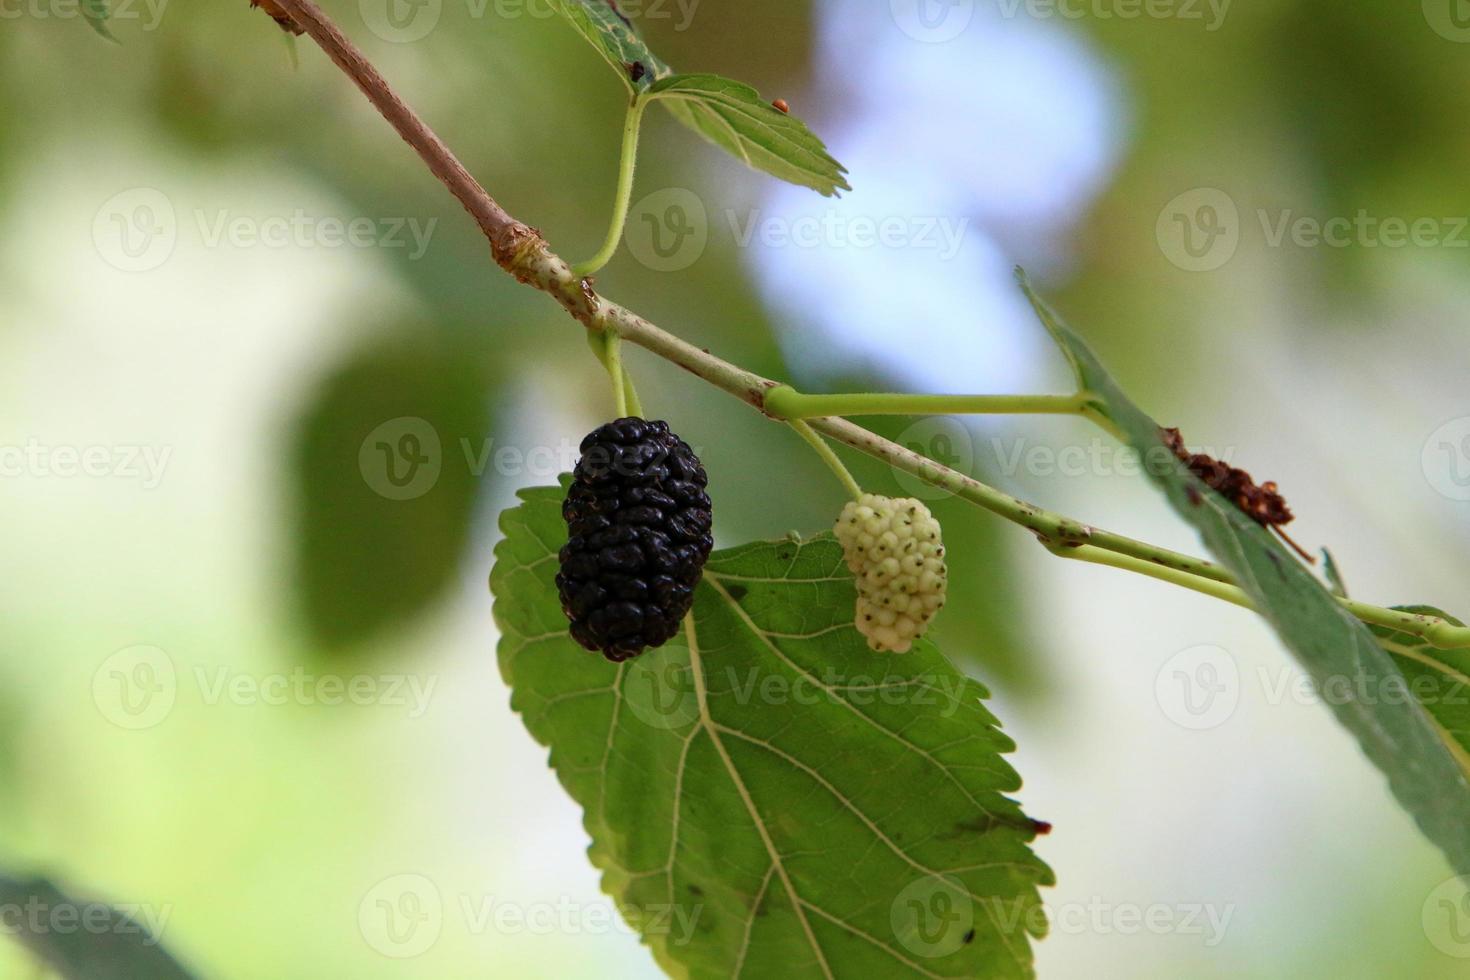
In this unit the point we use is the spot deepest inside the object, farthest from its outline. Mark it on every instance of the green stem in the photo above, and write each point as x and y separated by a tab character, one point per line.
788	403
829	457
627	165
1111	559
607	345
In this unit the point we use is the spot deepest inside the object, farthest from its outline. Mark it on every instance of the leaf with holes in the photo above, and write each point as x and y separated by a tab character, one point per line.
1437	679
767	796
1338	651
608	29
732	115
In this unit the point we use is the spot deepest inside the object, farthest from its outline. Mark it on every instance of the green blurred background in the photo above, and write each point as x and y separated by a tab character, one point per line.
247	674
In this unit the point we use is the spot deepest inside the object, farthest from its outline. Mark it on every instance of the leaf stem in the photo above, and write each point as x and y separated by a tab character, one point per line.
627	165
829	457
786	402
1111	559
607	345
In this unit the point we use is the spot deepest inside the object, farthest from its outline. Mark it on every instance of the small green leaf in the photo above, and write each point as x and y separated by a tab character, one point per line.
80	940
765	795
1338	651
1438	679
608	30
732	115
96	13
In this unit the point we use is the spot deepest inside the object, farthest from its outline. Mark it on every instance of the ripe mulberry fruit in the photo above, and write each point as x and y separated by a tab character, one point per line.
895	552
639	521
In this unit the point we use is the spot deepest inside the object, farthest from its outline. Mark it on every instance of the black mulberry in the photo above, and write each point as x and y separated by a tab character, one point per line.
639	521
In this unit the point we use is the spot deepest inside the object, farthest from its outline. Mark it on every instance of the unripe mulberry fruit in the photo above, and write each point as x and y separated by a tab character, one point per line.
638	521
896	554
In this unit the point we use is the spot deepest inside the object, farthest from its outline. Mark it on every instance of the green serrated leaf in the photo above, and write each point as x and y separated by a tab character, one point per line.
96	13
766	795
730	114
80	940
1338	651
733	115
1438	679
608	30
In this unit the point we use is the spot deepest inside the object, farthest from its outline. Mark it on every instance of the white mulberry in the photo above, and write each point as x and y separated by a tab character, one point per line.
894	549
